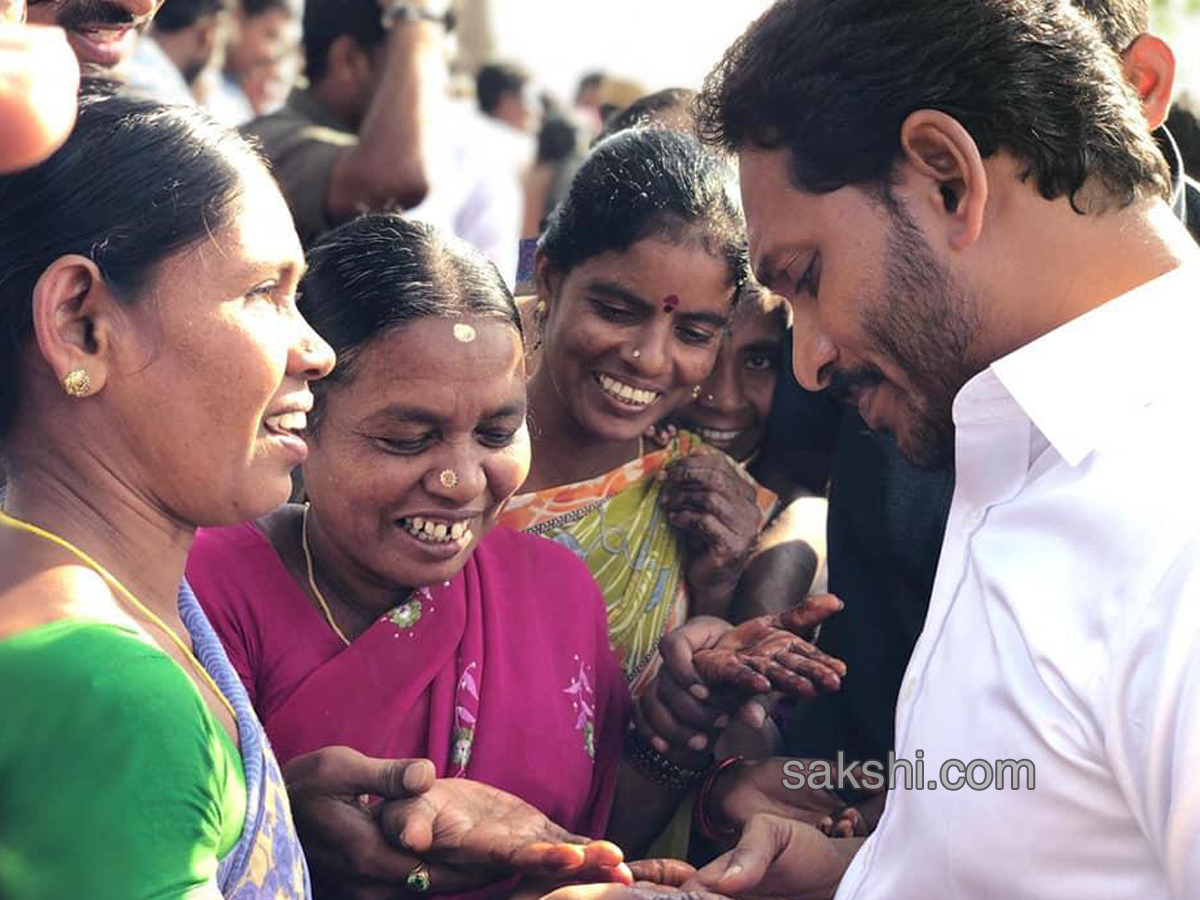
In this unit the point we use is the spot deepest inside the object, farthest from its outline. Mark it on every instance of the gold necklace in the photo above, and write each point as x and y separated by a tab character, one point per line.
312	581
125	594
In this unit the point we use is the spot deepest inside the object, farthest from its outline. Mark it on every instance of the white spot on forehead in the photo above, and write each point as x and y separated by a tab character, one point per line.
464	333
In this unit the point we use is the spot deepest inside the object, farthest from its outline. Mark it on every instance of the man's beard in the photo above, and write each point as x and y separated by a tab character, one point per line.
926	326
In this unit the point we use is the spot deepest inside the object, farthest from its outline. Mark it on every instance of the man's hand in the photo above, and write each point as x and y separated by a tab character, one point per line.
467	825
778	858
742	791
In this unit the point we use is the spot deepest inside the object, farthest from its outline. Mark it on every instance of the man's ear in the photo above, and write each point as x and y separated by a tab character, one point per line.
73	319
940	152
1149	66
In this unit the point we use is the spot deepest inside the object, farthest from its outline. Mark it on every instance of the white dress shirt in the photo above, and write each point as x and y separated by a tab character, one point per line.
1064	626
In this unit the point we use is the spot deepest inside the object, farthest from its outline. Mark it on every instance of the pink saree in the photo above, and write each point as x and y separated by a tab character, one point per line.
503	675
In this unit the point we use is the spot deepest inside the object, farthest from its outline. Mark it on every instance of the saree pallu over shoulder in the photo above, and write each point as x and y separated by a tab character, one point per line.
615	524
267	863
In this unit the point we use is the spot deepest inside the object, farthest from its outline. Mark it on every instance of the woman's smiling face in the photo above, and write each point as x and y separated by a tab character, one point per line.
421	402
629	334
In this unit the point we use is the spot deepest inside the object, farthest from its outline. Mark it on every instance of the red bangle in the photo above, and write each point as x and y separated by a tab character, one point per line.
700	815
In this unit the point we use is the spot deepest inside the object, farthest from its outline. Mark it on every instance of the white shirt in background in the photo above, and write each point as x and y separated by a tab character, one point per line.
1064	626
151	71
475	187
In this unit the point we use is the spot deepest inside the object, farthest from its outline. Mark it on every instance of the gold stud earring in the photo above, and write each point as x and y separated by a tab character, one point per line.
696	392
711	398
77	383
539	310
636	354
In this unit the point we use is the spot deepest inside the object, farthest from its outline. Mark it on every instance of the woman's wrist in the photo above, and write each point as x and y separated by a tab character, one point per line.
676	771
708	813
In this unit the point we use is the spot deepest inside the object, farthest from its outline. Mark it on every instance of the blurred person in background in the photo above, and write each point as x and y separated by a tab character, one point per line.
587	103
262	60
355	139
182	43
101	32
1185	128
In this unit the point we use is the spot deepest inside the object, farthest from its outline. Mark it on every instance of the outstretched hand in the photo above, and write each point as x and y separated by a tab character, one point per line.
470	825
768	653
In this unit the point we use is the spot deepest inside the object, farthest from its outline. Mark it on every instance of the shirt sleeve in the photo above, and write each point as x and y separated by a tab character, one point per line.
302	156
1153	728
115	781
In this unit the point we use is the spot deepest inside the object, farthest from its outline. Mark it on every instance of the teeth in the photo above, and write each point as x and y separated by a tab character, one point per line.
293	421
436	532
713	436
627	393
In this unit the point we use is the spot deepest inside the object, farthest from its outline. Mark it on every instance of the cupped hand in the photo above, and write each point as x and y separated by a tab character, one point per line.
639	891
468	825
768	654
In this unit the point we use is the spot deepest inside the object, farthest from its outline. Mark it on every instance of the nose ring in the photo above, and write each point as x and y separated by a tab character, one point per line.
448	478
637	354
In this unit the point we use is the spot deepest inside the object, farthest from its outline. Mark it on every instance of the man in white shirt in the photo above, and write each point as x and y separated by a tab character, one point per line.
963	205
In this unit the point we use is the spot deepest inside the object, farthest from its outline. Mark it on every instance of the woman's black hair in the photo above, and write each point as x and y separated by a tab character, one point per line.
135	182
642	183
381	272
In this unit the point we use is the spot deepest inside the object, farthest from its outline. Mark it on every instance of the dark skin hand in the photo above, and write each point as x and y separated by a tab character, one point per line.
714	506
474	825
344	835
779	858
712	671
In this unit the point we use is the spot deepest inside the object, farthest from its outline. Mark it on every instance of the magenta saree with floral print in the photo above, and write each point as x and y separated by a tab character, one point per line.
503	674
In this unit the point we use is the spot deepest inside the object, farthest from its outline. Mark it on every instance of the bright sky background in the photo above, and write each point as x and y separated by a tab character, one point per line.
664	43
661	43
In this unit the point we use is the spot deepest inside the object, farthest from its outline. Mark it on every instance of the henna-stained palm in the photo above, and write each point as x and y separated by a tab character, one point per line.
769	653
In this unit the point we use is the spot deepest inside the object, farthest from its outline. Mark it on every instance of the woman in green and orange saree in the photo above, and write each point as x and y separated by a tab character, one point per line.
637	276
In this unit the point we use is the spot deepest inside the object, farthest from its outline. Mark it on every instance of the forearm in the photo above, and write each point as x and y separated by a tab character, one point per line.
640	811
785	561
390	159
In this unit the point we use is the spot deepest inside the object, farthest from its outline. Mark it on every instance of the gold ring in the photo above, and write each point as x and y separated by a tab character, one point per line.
418	879
448	478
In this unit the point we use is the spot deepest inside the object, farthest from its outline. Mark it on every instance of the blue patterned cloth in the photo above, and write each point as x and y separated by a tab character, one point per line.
267	863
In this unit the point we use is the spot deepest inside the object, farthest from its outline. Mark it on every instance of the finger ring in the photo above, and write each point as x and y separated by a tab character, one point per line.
418	879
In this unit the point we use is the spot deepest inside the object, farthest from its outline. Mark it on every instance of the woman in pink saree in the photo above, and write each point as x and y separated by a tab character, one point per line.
389	614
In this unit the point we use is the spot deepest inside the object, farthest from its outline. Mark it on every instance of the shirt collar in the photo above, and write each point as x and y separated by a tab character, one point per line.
1083	381
1166	143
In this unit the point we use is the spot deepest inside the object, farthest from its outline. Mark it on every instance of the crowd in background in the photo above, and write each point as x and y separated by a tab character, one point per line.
423	484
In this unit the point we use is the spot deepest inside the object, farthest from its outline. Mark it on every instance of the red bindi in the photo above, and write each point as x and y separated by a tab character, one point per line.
669	303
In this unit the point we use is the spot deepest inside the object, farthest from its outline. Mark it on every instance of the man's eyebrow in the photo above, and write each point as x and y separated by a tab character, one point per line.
716	320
